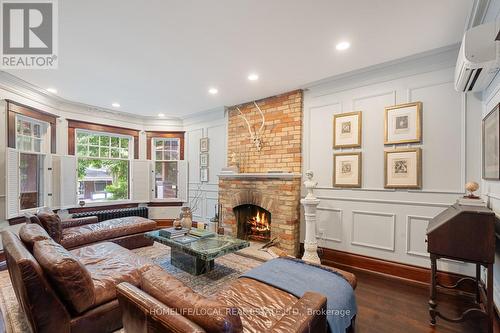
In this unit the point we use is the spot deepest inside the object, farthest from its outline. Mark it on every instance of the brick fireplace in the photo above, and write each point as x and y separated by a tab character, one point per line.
254	188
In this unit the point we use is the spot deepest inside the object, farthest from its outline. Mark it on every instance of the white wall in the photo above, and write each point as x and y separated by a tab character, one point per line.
211	124
385	223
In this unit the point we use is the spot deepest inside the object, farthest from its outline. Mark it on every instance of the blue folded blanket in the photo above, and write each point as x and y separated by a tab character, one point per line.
296	277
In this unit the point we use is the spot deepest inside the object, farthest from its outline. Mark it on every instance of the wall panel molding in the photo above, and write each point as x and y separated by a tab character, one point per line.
341	218
391	230
409	219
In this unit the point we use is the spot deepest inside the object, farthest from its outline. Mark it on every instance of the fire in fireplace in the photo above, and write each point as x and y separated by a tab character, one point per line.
253	223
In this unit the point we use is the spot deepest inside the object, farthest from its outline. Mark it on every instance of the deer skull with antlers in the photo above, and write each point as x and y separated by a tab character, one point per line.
255	136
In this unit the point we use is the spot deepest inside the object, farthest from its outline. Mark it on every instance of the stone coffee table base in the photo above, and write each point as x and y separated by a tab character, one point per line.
191	264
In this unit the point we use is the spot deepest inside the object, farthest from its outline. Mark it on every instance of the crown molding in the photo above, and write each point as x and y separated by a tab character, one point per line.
436	59
17	86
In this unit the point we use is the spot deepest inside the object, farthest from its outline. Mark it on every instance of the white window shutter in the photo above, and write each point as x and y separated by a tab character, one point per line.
12	173
56	181
140	184
182	181
67	182
47	181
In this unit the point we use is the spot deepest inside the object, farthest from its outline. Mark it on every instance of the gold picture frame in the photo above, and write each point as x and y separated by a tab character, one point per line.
338	169
356	137
404	166
405	123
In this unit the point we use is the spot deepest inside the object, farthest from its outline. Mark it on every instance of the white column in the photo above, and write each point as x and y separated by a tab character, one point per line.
310	204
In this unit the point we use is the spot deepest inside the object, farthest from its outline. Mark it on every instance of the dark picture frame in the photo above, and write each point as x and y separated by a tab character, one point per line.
491	145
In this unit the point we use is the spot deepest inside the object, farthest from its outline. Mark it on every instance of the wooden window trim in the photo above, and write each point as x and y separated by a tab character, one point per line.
176	134
14	108
73	125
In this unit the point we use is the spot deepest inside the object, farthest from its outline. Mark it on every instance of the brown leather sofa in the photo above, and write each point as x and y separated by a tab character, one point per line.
164	304
64	290
73	233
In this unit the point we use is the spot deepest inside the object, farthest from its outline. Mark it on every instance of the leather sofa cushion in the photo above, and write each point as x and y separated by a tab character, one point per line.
251	297
110	264
96	232
214	315
31	233
52	224
68	276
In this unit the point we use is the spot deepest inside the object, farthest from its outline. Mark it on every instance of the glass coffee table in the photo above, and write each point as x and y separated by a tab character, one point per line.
196	255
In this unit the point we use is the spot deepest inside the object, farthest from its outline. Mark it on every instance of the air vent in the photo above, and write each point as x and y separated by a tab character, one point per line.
471	80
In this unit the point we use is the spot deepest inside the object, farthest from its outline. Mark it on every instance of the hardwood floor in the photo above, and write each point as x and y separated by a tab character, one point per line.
390	305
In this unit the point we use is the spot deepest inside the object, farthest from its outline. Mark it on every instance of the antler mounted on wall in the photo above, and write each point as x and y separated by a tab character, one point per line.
255	136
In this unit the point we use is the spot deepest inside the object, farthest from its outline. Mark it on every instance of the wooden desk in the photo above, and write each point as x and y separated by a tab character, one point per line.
464	233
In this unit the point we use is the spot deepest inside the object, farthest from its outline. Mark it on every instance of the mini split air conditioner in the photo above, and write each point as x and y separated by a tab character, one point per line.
479	58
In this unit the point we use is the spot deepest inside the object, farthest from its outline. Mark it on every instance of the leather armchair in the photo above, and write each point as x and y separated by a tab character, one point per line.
164	304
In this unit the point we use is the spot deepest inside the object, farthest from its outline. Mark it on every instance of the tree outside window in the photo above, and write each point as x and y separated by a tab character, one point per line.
103	166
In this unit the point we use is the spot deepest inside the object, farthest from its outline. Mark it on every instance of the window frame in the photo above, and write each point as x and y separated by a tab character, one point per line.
129	159
44	137
152	138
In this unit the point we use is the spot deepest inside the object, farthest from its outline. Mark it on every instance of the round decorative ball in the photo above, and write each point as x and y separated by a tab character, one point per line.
472	186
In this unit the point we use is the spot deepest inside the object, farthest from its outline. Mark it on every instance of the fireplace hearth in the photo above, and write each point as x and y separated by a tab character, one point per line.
253	223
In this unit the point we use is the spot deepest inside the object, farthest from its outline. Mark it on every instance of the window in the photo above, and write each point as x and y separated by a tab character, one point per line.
30	134
166	156
31	177
103	166
31	142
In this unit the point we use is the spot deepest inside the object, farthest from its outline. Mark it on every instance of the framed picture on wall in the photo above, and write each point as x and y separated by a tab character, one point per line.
403	168
403	123
347	170
204	145
203	175
491	144
347	130
204	159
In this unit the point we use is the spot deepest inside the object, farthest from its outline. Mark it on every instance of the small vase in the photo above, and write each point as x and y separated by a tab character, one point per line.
186	218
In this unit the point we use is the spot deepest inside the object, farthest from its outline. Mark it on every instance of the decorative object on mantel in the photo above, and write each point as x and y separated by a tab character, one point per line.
491	144
255	135
203	145
347	130
403	123
186	218
347	170
310	204
403	168
471	199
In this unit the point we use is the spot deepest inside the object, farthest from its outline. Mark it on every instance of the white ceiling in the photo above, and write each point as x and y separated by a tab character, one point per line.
162	56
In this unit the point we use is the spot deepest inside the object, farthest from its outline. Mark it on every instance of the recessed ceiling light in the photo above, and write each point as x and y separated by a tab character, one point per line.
161	115
115	105
253	77
213	91
343	46
52	90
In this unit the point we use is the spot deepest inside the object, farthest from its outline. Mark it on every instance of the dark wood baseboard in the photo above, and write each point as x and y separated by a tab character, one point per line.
416	274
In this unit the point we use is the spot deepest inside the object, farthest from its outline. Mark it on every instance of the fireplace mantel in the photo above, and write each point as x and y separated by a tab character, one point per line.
284	175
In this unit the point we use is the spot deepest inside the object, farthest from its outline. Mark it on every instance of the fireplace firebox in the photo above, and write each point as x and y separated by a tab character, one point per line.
253	223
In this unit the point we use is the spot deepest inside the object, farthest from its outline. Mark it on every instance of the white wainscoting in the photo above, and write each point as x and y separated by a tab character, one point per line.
416	227
386	223
216	131
373	229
